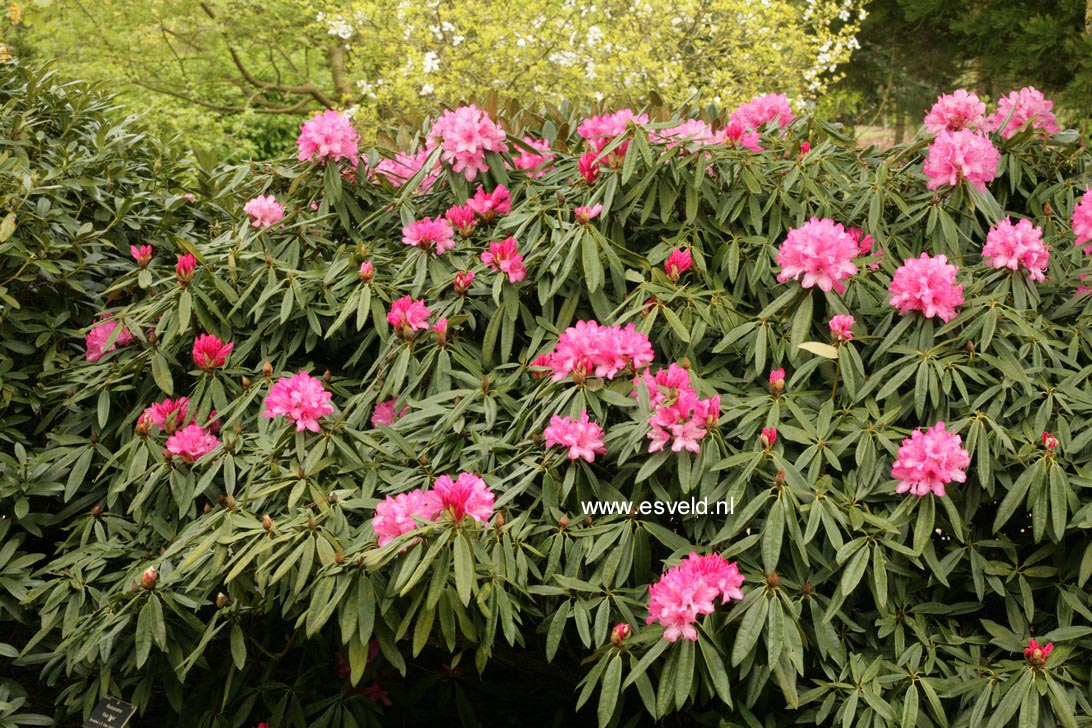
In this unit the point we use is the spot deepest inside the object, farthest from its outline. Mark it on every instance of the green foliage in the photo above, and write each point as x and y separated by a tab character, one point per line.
862	607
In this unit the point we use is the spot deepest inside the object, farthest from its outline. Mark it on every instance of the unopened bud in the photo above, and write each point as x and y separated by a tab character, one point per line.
485	384
222	600
327	377
267	370
772	579
339	558
208	508
779	479
588	520
152	338
230	503
619	634
312	523
149	578
563	522
246	382
96	511
499	520
970	347
807	588
94	438
267	522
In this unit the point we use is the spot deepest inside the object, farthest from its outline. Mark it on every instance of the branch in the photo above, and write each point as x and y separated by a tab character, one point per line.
266	106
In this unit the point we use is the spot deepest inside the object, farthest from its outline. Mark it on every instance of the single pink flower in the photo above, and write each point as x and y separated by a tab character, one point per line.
190	197
264	211
1027	106
464	136
429	235
585	214
328	135
505	257
462	218
209	352
385	414
677	263
954	112
534	163
841	328
397	515
583	437
927	284
490	204
168	415
588	166
761	110
100	333
928	461
1017	246
192	442
408	315
467	495
961	155
184	268
1081	221
463	280
142	255
821	251
690	589
300	398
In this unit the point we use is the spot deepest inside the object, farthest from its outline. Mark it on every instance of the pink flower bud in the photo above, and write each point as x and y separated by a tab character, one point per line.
805	147
463	281
1037	655
367	271
142	255
209	352
588	167
149	578
1049	441
619	634
777	382
678	263
185	267
768	437
440	327
585	214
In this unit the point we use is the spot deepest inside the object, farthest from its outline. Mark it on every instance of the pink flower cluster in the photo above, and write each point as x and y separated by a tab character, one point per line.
192	442
689	132
408	315
167	415
583	437
689	589
504	256
1027	106
587	349
738	134
530	162
429	235
385	414
462	218
404	166
1036	654
465	135
677	263
954	112
100	333
821	251
841	328
264	211
300	398
961	155
210	352
927	461
927	284
142	255
467	495
1017	246
488	205
1082	221
328	135
600	131
678	416
761	110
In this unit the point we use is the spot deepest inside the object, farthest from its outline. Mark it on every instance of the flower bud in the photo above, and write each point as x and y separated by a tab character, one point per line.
1049	441
485	384
773	579
267	522
619	634
246	382
499	520
1036	654
143	426
588	521
208	508
768	437
327	377
267	370
96	512
339	558
563	523
367	272
779	479
222	600
149	578
312	523
230	503
807	589
777	382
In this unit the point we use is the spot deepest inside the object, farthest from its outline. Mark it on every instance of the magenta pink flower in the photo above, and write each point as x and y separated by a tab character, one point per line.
1036	654
1027	106
532	163
585	214
619	634
209	352
328	135
462	218
583	437
440	327
761	110
961	155
927	461
505	257
142	255
397	515
464	136
408	315
954	112
468	495
600	131
300	398
168	415
490	204
463	281
385	414
690	589
403	167
677	263
1082	221
738	134
100	333
429	235
677	415
841	328
1049	441
367	271
777	382
1017	246
805	147
586	348
821	251
184	268
192	442
588	166
768	437
264	211
927	284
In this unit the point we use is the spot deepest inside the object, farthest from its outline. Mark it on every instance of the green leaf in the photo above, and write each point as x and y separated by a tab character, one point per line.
464	569
610	685
820	349
238	647
750	629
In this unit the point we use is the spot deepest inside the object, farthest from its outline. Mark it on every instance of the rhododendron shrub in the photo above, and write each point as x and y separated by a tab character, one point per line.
641	461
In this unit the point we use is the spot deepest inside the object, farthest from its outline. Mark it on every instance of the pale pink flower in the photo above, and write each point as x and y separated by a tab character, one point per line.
841	328
588	166
685	591
737	134
100	333
168	415
1017	246
1027	106
463	280
587	348
142	255
192	442
530	162
761	110
954	112
385	414
184	268
468	495
264	211
961	155
585	214
600	131
462	218
677	263
928	461
190	197
1082	221
821	251
583	437
367	271
328	135
397	515
429	235
464	136
404	166
300	398
927	284
408	315
677	415
505	257
209	352
490	204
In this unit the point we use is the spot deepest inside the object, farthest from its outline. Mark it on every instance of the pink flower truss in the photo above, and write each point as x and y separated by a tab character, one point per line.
588	166
600	131
677	263
737	134
1027	106
1017	246
100	334
927	461
192	442
534	164
467	495
821	251
954	112
690	589
505	257
586	348
585	214
406	314
841	328
429	235
961	155
328	135
678	416
583	437
927	284
404	166
264	211
465	135
168	415
761	110
1082	221
395	515
462	218
300	398
490	204
142	255
384	413
209	352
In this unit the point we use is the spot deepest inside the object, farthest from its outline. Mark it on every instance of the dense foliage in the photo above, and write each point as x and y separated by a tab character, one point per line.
230	573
